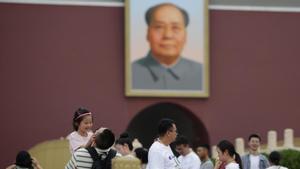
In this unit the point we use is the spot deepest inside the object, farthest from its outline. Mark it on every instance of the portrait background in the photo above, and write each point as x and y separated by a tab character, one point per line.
194	47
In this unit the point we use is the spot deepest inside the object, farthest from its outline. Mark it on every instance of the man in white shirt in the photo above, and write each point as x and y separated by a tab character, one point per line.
160	154
188	158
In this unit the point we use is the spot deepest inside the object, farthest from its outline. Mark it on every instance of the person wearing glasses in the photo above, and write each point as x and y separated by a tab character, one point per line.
160	154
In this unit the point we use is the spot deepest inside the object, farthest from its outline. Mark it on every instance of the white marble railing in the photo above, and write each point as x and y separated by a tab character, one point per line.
272	143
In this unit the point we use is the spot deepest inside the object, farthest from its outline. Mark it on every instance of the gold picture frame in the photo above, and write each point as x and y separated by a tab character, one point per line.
147	72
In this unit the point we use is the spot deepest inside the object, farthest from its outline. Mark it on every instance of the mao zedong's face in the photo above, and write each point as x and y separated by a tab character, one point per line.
166	34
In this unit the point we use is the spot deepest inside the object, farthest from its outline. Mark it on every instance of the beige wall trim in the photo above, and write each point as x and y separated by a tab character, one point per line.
254	8
66	2
121	4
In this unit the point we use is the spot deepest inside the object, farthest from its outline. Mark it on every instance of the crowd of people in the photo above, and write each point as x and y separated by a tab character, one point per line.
97	149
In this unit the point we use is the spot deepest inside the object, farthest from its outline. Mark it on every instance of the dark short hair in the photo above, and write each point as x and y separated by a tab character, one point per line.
142	154
151	11
78	117
181	140
125	139
254	136
206	146
274	157
23	159
164	126
105	139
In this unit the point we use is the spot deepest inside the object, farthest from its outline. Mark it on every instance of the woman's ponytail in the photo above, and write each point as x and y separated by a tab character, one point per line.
238	159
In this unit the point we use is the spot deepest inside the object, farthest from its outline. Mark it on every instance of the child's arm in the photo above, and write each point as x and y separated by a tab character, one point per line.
36	164
11	167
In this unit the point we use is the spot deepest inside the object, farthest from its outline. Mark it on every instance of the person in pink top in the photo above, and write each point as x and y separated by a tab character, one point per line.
82	136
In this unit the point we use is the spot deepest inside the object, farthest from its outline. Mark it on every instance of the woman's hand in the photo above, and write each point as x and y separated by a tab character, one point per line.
35	163
218	163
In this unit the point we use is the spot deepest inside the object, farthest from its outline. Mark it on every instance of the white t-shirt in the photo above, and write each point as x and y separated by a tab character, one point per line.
254	161
76	140
276	167
232	165
189	161
161	156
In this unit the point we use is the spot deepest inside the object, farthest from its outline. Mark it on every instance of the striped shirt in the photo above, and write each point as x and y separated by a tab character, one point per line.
81	159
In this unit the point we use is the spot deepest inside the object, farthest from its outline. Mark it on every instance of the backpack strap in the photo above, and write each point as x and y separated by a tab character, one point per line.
111	154
92	151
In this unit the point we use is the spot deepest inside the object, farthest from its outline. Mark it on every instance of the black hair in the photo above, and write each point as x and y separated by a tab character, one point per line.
151	11
24	159
125	139
275	157
226	145
206	146
142	154
105	139
254	136
76	119
164	126
181	140
125	135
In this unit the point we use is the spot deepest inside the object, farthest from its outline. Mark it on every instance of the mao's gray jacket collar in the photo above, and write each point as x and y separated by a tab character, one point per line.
157	70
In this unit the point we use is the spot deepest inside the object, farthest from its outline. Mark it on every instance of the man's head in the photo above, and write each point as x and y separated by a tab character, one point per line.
167	130
105	138
254	142
203	151
182	145
166	32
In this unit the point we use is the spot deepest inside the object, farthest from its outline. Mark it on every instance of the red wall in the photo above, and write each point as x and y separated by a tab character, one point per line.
54	59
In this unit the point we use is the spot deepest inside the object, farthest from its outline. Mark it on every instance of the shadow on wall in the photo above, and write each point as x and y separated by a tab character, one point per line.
144	125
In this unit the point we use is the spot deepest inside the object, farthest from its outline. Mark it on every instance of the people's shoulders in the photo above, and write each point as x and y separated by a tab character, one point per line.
76	135
72	135
191	159
232	166
158	150
82	152
276	167
180	158
155	156
140	70
207	164
195	159
13	166
157	146
81	157
90	134
261	156
193	156
191	63
140	62
145	61
244	157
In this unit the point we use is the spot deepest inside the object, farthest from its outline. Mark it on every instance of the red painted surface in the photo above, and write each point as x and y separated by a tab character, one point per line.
54	59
